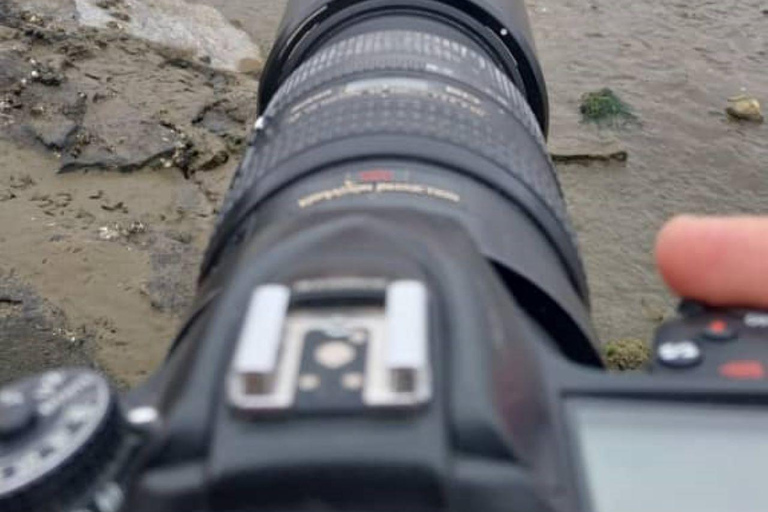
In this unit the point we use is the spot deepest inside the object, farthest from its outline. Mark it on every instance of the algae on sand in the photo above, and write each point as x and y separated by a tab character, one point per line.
623	355
604	108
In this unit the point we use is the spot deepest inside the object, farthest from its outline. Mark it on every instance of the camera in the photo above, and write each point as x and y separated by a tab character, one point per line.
393	315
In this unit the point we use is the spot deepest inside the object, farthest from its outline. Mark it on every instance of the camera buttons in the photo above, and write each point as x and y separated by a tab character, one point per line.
719	330
679	354
756	320
743	370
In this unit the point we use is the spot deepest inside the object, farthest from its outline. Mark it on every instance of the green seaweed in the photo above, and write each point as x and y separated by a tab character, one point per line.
605	109
628	354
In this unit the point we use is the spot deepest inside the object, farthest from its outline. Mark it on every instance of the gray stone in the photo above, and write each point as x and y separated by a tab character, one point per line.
53	131
745	108
121	137
200	29
12	68
62	10
8	33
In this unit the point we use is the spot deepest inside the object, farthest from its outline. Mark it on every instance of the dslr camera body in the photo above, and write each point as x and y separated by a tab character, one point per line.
393	315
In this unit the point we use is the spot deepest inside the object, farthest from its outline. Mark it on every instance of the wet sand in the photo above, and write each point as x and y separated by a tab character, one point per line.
676	63
115	154
98	265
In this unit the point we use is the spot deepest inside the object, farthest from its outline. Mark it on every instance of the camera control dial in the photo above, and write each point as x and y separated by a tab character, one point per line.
57	431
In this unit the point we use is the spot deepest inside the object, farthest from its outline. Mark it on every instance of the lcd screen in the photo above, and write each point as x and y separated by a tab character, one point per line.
664	457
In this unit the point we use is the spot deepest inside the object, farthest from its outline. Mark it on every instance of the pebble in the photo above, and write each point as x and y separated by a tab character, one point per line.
108	233
8	33
745	108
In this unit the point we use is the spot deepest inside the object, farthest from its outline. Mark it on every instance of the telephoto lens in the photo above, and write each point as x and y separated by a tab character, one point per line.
438	105
393	244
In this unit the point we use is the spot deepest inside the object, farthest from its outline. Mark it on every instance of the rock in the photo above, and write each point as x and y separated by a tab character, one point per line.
53	131
109	233
218	159
196	149
108	4
110	101
47	75
12	69
216	119
121	16
745	108
228	116
121	138
250	66
200	29
116	207
8	33
126	231
38	11
135	228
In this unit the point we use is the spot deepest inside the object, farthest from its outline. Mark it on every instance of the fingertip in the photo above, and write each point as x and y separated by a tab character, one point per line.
673	247
720	261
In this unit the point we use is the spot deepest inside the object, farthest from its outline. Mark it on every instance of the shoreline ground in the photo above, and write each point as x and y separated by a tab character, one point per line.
98	263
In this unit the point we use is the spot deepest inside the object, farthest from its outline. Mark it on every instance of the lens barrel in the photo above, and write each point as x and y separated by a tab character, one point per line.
410	84
393	88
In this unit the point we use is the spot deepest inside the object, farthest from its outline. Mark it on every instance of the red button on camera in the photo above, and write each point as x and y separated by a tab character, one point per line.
743	370
719	330
718	326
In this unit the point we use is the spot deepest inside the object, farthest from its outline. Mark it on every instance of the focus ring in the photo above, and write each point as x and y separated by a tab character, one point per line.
419	52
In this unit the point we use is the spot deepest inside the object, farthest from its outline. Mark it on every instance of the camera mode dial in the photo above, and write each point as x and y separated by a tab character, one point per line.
57	433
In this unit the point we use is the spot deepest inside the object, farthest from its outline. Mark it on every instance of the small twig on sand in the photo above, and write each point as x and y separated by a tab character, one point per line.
587	158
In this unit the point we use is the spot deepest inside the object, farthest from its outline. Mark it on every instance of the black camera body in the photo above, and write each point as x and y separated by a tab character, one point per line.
393	315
